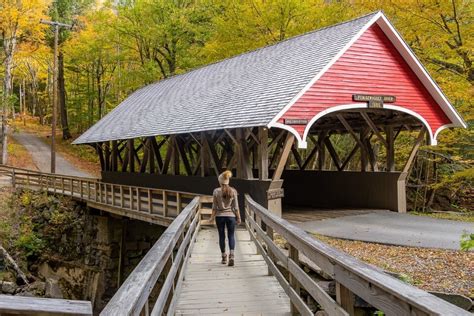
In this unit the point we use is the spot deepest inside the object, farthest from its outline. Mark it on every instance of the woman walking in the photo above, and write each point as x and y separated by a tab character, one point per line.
225	210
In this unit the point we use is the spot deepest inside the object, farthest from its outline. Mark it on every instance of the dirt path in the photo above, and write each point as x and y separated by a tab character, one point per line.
41	153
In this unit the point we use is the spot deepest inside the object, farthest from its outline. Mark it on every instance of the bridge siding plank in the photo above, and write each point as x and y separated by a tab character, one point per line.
206	287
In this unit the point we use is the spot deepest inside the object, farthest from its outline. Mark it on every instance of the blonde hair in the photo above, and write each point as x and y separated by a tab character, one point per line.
224	182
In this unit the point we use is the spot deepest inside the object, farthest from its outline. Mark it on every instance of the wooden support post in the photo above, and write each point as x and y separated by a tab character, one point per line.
374	128
145	157
175	156
244	170
364	161
333	153
169	155
184	158
204	152
372	154
290	138
151	155
293	254
114	164
390	148
321	150
131	155
98	149
414	150
107	156
262	153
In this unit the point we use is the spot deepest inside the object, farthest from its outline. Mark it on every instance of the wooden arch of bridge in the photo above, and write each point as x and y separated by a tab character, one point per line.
181	273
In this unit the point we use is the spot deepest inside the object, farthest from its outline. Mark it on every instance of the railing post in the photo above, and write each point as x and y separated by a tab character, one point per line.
146	310
81	188
293	254
149	202
13	178
139	202
130	191
178	203
121	196
345	298
270	253
165	204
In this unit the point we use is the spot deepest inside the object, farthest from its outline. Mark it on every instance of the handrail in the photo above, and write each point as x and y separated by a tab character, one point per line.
384	292
167	258
159	206
17	169
21	305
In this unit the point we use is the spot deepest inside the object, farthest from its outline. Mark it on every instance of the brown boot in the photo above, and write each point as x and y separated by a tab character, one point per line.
224	258
231	260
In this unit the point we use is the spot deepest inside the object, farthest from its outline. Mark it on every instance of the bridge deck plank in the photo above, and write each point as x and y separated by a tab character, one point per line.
213	288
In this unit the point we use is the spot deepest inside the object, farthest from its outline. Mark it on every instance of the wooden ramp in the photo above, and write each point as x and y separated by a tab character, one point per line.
210	287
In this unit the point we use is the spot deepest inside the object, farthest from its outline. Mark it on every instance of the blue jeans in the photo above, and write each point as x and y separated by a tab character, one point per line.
223	222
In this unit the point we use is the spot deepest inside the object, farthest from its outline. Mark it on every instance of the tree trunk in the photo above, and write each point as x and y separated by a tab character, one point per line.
9	46
62	98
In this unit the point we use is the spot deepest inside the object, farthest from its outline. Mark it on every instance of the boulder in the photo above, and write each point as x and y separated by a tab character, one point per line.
52	289
8	287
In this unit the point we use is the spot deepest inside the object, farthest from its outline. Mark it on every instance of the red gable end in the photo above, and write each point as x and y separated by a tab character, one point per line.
372	65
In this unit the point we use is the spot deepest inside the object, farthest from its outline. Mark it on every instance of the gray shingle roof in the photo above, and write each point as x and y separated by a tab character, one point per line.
243	91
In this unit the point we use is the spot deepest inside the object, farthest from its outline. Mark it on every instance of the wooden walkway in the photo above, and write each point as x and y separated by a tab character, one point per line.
210	287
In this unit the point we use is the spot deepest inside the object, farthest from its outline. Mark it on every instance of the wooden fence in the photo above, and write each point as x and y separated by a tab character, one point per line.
352	276
166	262
21	305
146	204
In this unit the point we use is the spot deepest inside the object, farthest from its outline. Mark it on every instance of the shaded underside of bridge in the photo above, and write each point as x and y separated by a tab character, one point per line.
317	120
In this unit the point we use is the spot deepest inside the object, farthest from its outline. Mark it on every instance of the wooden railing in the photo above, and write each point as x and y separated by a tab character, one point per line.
352	277
147	204
20	305
166	261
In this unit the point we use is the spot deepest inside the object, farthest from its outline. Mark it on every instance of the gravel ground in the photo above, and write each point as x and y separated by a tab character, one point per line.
429	269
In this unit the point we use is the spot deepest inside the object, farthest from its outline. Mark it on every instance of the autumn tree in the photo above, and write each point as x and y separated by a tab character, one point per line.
65	11
165	33
19	24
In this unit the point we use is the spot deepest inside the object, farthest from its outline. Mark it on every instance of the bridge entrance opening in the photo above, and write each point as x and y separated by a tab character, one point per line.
356	159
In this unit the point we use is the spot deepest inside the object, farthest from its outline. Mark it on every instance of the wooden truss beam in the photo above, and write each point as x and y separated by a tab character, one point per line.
290	138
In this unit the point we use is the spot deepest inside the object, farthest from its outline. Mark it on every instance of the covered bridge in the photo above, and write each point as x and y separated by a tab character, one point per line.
273	116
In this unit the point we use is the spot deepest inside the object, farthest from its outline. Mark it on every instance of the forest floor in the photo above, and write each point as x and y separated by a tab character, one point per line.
82	157
439	270
19	156
454	216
